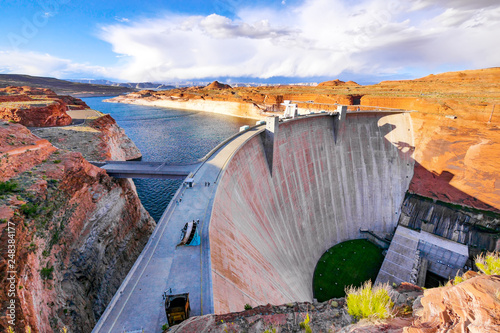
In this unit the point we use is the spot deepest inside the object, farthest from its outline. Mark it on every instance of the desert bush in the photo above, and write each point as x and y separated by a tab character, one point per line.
368	302
8	187
457	279
46	272
29	209
305	324
489	263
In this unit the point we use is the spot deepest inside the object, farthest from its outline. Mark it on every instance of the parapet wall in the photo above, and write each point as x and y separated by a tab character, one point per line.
268	232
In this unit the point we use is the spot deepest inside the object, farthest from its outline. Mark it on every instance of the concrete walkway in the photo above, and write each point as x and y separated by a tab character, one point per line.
138	304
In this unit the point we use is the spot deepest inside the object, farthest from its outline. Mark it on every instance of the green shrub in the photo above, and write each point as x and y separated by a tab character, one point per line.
57	161
489	264
8	187
305	324
29	209
248	307
46	272
368	302
457	279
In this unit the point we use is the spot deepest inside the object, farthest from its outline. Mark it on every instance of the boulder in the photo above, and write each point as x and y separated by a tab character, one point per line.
471	306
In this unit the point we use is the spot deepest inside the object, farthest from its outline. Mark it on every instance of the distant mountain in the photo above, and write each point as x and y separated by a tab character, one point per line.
62	87
133	85
218	85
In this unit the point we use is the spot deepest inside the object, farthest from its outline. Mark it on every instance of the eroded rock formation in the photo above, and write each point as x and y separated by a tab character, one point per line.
218	85
77	232
115	145
471	306
36	107
20	150
98	139
337	82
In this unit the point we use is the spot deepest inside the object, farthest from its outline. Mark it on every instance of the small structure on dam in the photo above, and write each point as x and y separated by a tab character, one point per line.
413	253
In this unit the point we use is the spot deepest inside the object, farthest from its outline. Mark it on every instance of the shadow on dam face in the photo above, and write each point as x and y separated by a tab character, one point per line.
267	232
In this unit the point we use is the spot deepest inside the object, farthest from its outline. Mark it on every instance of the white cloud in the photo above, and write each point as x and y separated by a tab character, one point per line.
38	64
455	4
315	38
122	19
221	27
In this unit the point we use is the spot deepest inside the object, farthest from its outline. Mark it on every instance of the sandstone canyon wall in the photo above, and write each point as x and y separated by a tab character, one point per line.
77	233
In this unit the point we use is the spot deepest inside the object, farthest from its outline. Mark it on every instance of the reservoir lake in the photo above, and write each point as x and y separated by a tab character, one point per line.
174	136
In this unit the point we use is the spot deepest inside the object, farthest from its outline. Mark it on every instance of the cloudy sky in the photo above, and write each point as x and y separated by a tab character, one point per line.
287	40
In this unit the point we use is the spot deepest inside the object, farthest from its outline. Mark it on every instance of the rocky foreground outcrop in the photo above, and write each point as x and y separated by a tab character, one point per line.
20	150
472	306
94	134
76	233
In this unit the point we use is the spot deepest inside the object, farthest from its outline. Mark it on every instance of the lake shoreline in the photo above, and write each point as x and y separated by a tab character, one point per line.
235	109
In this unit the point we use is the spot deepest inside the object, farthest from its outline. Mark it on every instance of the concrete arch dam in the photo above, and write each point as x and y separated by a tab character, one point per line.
269	229
280	197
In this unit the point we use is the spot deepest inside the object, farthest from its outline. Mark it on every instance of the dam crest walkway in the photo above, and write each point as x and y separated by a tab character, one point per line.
138	304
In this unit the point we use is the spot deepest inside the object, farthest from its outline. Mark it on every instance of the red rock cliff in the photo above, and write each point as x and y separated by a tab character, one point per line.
77	233
115	145
36	107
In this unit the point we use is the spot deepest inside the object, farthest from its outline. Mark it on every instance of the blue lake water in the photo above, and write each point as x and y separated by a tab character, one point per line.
162	134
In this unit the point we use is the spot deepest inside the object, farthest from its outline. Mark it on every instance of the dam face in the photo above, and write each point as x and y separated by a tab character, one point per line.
267	231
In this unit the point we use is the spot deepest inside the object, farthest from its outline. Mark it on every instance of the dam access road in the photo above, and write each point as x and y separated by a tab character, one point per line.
280	197
138	304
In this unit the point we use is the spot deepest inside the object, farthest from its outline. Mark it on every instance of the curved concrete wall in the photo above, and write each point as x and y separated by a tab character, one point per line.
268	232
